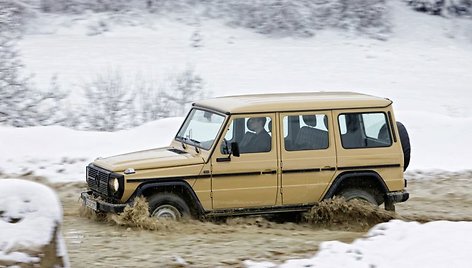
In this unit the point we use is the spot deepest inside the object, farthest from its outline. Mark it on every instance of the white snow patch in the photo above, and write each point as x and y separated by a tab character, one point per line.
394	244
61	154
29	212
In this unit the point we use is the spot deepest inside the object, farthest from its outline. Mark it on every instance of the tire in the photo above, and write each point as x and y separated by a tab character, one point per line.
168	206
405	141
352	193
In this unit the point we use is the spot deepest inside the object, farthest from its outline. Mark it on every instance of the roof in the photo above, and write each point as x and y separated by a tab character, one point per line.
292	102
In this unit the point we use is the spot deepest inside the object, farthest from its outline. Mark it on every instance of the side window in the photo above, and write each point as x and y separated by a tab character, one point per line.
253	135
306	132
364	130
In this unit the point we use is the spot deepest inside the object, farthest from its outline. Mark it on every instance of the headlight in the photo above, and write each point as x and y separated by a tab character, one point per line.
114	184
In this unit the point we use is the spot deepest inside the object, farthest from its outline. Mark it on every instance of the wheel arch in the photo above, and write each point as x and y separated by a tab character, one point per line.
179	187
358	179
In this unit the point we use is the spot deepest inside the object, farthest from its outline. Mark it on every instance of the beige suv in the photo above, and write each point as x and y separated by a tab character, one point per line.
268	153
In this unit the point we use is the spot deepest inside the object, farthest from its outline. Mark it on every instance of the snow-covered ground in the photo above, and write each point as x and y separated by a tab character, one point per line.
394	244
425	68
61	154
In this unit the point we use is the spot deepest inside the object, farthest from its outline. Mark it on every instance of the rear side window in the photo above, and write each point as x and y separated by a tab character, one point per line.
364	130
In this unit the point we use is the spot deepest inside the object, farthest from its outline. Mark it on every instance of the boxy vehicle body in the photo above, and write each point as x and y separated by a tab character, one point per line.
313	146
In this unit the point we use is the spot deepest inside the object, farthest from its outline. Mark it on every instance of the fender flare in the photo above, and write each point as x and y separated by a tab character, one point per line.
352	174
169	183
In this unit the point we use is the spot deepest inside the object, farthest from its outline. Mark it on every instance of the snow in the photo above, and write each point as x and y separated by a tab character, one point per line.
61	154
29	214
394	244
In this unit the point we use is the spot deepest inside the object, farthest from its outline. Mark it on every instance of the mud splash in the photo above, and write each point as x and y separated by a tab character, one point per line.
90	214
135	216
354	215
333	214
138	216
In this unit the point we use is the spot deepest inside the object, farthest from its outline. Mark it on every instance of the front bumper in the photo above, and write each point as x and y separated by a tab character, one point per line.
100	205
397	197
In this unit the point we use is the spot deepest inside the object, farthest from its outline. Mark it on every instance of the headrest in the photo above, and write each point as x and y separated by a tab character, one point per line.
248	124
310	120
352	122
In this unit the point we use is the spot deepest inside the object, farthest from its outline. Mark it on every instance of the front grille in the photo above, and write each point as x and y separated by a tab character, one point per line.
97	180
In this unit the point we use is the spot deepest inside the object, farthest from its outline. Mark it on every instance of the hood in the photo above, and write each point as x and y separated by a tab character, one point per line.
149	159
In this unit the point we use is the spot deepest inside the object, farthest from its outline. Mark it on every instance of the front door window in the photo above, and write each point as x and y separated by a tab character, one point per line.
253	135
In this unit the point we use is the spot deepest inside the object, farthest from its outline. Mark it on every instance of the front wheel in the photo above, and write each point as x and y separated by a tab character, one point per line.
168	206
359	194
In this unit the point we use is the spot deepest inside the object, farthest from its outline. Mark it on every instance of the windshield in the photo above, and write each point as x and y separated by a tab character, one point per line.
200	128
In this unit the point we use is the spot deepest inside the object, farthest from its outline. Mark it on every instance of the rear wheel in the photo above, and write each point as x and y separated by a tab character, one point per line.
359	194
168	206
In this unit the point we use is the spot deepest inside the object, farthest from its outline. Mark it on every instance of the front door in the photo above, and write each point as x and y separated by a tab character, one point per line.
308	156
251	179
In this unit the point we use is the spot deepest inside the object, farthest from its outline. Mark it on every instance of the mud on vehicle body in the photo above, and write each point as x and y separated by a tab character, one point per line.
255	154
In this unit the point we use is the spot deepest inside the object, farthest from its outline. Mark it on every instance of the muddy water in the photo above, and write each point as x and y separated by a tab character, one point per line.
438	196
194	243
115	243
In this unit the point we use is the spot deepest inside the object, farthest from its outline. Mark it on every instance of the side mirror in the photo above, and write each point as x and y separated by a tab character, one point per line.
235	149
234	152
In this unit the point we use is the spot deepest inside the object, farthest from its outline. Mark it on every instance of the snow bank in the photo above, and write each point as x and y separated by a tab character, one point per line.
61	154
30	215
394	244
438	141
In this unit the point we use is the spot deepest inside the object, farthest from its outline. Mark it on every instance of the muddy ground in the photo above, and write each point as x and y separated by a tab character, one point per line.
113	242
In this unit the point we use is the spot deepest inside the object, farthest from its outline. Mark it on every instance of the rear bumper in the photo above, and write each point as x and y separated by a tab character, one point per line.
396	197
100	205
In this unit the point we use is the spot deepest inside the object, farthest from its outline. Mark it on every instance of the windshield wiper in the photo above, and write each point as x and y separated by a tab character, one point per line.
194	141
185	140
182	139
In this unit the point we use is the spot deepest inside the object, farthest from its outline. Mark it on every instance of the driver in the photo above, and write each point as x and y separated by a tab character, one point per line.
261	141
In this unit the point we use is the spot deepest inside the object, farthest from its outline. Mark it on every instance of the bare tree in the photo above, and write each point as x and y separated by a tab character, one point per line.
459	8
151	103
109	104
20	104
184	88
114	104
17	100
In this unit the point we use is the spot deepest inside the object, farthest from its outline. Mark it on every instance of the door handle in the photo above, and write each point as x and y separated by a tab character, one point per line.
327	168
269	171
